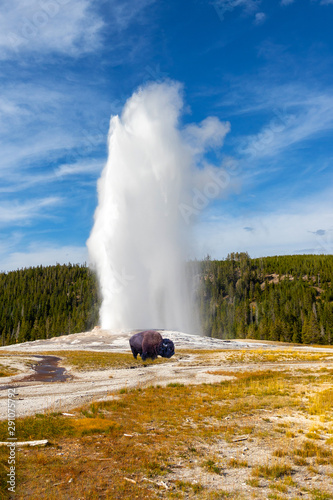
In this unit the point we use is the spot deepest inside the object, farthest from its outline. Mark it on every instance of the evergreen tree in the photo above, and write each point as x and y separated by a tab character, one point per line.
311	331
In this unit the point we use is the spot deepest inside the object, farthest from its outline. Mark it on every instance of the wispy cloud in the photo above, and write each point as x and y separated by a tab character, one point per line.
85	167
21	213
290	113
43	119
299	114
70	27
29	179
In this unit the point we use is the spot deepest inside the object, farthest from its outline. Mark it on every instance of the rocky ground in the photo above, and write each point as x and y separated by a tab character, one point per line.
36	396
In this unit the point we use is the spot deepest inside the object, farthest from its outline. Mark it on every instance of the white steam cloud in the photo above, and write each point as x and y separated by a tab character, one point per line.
141	238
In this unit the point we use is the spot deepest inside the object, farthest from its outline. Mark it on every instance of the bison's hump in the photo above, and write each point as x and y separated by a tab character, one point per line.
149	336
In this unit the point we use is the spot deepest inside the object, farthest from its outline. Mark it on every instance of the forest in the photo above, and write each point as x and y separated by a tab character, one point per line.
283	298
44	302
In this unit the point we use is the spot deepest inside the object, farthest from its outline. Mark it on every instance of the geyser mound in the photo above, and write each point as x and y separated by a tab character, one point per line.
140	240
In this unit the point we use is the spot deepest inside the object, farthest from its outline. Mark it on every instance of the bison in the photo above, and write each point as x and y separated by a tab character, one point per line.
150	344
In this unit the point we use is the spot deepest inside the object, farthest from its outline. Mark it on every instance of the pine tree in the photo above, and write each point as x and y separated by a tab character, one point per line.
311	331
297	334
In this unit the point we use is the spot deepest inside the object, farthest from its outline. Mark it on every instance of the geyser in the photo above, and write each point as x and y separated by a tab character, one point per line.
139	241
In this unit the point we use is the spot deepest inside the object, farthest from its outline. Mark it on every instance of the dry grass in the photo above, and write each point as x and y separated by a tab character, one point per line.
312	449
280	453
154	419
235	462
274	471
275	355
321	402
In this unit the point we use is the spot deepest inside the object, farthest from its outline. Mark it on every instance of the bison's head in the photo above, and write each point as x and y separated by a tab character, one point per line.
167	348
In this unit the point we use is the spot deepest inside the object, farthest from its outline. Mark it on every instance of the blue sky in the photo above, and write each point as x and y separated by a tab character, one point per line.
265	67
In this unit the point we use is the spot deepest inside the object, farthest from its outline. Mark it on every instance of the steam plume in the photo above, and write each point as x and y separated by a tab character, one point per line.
140	240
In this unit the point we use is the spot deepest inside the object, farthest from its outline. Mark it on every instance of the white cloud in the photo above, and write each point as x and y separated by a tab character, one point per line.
67	27
70	27
42	254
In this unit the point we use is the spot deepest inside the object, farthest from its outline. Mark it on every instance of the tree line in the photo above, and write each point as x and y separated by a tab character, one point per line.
284	298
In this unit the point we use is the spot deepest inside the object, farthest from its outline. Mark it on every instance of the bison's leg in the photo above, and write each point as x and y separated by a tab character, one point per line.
146	355
134	352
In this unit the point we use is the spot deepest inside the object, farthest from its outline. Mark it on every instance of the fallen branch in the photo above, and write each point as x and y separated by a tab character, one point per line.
130	480
159	483
63	482
240	439
41	442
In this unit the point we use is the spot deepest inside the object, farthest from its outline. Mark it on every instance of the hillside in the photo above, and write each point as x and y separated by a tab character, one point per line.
287	298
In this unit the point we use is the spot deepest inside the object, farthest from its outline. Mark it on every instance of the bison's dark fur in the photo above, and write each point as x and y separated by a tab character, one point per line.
150	344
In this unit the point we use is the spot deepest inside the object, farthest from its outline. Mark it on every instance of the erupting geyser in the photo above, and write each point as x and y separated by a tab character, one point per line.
139	242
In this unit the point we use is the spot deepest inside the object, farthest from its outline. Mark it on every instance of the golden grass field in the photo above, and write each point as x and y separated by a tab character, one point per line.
263	430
